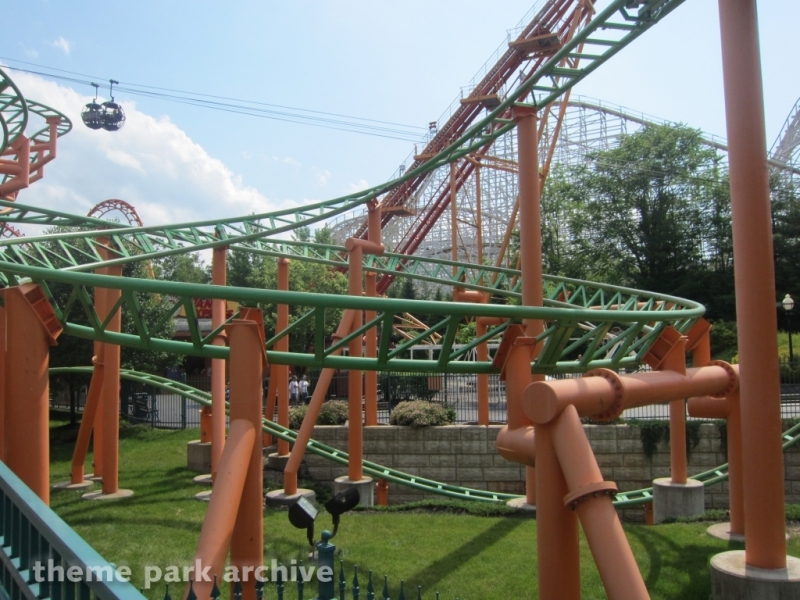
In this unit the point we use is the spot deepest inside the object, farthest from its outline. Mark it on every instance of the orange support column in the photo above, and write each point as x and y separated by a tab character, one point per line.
109	402
355	429
218	314
247	359
281	372
483	378
96	426
77	475
371	377
31	328
765	523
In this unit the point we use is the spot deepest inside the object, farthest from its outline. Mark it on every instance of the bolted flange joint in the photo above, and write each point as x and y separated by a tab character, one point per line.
587	492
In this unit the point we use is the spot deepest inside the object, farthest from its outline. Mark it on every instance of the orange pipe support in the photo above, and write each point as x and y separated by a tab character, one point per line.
89	415
591	498
355	437
20	170
374	221
205	424
382	492
27	442
317	398
754	275
675	361
96	426
247	360
483	378
604	391
269	407
557	544
371	342
727	408
218	314
109	394
217	531
282	345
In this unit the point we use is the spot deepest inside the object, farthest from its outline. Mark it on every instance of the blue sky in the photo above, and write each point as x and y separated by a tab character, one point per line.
402	62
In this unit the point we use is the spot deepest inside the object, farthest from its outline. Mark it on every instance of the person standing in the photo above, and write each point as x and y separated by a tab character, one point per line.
294	388
304	390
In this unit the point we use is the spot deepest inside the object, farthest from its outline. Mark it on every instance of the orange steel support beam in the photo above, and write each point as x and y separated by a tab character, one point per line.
27	445
727	408
217	531
269	407
604	392
355	434
754	274
109	394
591	498
19	169
675	361
557	544
218	313
317	398
97	425
453	216
89	415
247	360
371	377
281	372
483	378
205	424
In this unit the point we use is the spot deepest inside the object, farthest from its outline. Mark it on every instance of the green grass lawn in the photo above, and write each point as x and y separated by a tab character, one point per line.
459	555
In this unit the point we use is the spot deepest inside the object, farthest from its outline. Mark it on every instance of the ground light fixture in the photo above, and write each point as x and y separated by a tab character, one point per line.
302	515
788	304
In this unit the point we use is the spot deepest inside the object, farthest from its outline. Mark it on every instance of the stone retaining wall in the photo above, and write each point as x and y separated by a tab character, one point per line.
466	455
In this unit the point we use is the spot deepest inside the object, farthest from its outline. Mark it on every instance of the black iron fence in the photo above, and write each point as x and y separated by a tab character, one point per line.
145	404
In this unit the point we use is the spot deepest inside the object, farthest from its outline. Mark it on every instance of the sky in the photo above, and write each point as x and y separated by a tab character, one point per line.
401	62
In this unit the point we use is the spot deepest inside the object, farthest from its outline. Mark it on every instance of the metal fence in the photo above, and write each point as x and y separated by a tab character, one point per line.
148	405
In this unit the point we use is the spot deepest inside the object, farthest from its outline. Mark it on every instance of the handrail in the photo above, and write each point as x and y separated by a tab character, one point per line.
31	532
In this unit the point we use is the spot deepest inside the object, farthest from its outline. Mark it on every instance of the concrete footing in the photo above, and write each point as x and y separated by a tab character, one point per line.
203	479
277	462
672	500
68	485
277	498
99	495
732	579
522	504
198	456
722	531
203	496
366	488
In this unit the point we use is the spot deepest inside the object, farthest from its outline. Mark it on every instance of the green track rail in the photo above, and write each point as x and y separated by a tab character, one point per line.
13	112
623	499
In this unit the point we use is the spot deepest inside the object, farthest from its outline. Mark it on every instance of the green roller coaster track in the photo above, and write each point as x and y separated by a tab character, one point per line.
623	499
587	325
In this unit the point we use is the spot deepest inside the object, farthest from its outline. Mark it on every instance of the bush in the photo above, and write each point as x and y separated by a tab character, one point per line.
333	412
402	387
418	413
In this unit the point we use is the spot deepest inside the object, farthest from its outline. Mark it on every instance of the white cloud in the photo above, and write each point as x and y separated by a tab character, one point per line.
359	186
150	162
29	52
322	176
62	44
291	161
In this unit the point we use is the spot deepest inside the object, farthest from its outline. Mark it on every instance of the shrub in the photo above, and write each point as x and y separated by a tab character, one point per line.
418	413
333	412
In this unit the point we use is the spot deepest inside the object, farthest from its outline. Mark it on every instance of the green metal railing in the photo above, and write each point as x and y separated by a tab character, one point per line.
42	557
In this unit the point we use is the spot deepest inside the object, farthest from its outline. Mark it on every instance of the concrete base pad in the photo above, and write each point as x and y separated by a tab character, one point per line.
723	532
198	456
522	504
68	485
99	495
93	477
277	498
203	496
366	488
672	500
203	479
732	579
276	462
